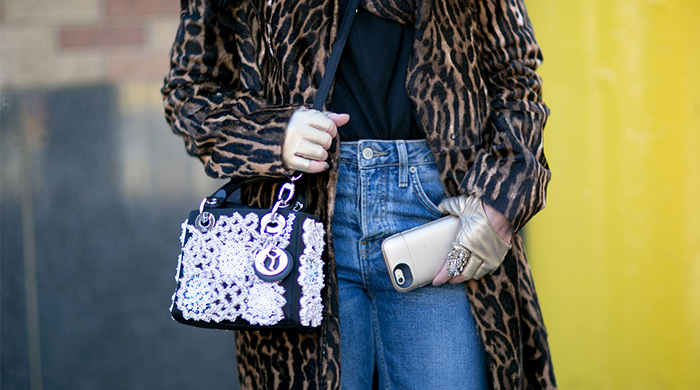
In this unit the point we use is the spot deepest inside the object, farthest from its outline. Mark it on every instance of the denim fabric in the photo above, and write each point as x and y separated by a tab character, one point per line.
423	339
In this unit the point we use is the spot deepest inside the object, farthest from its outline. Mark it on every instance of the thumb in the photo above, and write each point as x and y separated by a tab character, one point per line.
339	119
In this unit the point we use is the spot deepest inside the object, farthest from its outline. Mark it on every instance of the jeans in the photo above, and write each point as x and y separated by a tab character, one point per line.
422	339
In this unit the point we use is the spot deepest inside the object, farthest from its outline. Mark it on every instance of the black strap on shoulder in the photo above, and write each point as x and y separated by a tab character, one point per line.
336	51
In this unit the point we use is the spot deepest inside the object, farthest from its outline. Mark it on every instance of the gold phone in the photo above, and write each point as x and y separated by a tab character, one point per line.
413	257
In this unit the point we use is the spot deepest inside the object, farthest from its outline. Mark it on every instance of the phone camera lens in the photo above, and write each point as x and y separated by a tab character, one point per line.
399	277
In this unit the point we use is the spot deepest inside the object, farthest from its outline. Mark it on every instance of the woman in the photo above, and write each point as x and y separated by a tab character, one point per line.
444	103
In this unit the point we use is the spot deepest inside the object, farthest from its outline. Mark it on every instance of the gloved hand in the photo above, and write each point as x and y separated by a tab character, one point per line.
307	138
478	248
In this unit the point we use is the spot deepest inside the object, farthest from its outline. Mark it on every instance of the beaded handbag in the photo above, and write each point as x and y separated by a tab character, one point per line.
243	267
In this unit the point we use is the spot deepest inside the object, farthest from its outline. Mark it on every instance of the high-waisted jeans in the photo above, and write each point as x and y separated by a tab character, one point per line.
422	339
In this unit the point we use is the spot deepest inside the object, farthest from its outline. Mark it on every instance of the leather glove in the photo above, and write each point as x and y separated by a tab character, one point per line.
477	241
308	136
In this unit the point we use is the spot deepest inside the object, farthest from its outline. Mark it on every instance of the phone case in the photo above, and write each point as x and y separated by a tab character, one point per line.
415	256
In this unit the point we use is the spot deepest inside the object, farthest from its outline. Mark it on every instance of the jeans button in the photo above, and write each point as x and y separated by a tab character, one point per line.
367	153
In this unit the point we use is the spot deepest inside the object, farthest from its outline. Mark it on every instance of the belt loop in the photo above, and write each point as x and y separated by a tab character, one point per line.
403	163
358	155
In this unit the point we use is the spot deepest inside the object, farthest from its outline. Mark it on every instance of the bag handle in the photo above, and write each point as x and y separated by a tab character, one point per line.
228	189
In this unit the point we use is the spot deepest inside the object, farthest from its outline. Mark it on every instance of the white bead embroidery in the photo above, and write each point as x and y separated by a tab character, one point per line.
264	304
219	282
184	232
311	278
216	283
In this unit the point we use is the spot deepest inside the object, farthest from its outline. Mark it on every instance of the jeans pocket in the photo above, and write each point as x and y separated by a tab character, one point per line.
426	184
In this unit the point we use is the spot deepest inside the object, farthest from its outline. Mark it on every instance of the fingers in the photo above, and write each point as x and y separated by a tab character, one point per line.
320	121
483	270
329	122
339	119
442	276
454	205
317	166
458	279
299	153
472	266
460	206
476	269
308	137
449	206
311	151
481	234
313	132
302	164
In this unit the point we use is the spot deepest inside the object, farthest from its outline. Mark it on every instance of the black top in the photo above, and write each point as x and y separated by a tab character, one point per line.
371	80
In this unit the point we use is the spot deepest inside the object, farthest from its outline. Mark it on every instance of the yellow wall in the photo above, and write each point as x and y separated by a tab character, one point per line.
616	253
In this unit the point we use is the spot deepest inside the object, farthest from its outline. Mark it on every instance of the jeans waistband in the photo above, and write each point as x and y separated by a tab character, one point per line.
377	153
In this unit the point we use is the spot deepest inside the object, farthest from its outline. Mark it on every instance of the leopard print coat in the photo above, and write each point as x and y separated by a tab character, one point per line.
235	81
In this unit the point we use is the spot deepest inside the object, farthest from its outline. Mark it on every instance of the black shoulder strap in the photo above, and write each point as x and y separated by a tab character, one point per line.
336	51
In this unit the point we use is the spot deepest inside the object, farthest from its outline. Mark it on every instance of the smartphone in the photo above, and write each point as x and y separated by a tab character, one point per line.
413	257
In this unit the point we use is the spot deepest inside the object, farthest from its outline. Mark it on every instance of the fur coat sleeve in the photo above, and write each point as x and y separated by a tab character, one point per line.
511	173
213	99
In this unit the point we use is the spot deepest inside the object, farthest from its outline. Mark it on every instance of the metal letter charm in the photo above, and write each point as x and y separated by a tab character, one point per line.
272	264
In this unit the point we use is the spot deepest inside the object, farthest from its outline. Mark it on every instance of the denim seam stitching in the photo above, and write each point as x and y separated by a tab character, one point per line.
422	196
379	347
363	229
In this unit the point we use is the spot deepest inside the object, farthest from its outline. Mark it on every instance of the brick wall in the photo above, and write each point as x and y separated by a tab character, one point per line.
69	42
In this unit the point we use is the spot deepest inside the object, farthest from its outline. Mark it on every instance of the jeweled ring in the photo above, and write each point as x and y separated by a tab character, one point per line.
457	260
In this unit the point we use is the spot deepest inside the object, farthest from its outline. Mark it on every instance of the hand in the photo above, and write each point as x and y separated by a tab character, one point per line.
307	138
485	234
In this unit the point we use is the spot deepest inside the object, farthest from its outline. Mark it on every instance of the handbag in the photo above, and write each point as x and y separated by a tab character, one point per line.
249	268
244	267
